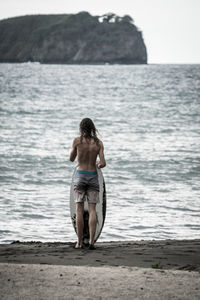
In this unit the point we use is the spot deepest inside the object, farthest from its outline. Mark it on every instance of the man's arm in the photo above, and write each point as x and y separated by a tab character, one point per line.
102	162
73	152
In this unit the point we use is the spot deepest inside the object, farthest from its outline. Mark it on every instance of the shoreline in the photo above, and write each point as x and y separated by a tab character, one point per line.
168	254
165	269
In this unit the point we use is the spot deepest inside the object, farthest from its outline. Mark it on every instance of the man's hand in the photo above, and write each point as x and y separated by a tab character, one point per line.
98	165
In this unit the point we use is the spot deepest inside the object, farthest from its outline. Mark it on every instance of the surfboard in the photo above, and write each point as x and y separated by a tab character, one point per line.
100	209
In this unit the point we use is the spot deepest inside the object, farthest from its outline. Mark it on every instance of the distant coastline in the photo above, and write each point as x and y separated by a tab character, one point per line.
72	39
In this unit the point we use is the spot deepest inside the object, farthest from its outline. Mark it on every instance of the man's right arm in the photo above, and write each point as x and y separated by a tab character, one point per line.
102	162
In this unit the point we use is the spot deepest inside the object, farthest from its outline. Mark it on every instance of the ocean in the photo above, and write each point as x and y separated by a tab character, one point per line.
148	118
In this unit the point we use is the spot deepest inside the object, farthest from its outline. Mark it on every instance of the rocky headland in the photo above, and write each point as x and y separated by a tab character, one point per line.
72	39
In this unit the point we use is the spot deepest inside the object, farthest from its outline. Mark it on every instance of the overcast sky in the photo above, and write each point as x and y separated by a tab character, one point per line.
171	28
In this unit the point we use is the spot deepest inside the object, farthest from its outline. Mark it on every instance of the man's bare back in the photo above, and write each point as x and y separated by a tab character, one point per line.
87	151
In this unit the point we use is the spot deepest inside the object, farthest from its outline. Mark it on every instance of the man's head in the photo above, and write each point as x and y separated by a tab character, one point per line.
88	129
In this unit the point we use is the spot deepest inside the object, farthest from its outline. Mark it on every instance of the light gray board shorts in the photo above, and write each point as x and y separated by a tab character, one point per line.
86	186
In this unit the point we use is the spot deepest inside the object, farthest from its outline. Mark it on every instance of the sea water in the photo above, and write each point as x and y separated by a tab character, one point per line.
147	117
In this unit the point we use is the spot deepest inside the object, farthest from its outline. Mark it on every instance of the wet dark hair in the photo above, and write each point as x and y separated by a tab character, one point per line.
88	130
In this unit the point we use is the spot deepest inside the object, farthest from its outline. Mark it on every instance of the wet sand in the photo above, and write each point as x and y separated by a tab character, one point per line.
115	270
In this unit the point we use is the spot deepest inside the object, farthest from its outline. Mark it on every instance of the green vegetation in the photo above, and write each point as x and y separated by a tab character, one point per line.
157	266
71	38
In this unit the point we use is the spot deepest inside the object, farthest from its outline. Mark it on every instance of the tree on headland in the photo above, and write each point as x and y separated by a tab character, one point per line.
113	18
108	17
127	19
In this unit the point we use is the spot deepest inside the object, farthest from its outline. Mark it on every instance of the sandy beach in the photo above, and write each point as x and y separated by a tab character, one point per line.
167	269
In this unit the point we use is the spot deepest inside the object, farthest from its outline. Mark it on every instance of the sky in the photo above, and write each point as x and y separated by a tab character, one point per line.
171	28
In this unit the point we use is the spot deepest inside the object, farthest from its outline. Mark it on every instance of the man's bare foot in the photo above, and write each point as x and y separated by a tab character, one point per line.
78	246
92	247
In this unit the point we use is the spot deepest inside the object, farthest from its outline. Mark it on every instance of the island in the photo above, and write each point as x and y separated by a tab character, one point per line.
72	39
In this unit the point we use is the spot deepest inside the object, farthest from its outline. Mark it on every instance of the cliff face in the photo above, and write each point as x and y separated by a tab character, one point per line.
73	39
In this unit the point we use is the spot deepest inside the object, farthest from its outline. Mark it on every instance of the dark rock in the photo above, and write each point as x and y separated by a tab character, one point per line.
72	39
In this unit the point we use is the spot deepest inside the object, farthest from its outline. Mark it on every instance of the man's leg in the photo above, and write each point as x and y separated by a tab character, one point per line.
79	223
92	221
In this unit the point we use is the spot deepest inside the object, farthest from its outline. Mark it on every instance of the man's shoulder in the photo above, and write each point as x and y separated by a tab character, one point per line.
100	143
76	140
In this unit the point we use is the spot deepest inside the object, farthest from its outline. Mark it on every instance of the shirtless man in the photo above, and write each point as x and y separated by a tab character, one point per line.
87	147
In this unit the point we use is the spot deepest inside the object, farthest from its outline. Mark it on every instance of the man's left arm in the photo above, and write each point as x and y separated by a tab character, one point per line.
73	152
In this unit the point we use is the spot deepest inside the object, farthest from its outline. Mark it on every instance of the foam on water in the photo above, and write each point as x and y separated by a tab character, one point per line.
148	118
